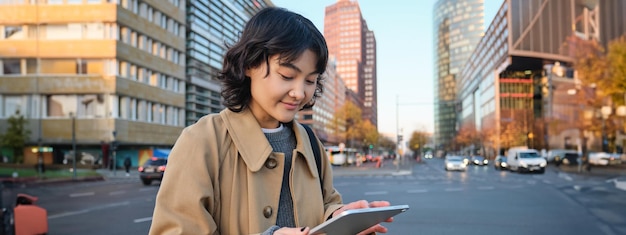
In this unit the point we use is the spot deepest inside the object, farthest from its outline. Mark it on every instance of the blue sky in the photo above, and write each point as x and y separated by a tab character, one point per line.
403	30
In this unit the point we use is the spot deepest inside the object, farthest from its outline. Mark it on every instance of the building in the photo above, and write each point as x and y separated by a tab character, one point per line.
104	70
211	24
458	26
321	118
354	46
516	84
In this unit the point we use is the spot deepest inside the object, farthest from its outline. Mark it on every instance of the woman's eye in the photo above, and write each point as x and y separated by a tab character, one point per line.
310	82
286	78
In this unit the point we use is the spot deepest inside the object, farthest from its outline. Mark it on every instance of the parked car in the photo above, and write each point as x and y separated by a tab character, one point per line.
452	163
479	161
568	158
153	169
556	155
500	163
604	159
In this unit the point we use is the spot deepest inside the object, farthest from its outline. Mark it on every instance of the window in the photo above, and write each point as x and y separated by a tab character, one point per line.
92	106
10	105
60	105
10	66
13	32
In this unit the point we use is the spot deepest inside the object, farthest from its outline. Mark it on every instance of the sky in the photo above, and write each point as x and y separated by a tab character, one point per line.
405	64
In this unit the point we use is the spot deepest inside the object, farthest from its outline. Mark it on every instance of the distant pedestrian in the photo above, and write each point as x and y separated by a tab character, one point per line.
127	165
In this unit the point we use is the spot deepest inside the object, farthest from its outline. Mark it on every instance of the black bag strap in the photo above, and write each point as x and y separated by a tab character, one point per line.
316	152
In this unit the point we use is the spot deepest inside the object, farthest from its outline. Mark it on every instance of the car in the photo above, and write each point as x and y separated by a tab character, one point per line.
568	158
452	163
152	170
604	159
522	159
556	155
500	163
479	160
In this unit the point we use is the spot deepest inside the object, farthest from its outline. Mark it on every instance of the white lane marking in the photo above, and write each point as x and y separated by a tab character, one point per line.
418	191
82	194
376	193
577	187
453	189
565	176
70	213
142	220
117	193
485	187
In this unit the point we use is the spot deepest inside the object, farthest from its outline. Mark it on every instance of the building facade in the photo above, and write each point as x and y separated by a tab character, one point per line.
354	47
518	84
458	27
102	70
211	24
321	118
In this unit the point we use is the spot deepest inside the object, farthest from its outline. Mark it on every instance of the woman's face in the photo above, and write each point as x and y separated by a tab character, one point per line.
287	87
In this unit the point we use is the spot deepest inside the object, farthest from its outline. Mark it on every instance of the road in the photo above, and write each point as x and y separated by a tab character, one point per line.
479	201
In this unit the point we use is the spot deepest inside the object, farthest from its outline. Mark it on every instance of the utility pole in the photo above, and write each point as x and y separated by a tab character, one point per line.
73	145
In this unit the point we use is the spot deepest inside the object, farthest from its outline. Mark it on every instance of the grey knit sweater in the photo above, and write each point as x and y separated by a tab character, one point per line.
283	141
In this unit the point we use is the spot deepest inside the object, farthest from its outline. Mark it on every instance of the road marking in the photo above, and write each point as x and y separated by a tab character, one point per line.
70	213
376	193
453	189
486	188
565	176
117	193
577	187
418	191
142	220
82	194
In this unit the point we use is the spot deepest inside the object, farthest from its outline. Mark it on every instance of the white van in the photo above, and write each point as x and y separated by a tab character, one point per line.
522	159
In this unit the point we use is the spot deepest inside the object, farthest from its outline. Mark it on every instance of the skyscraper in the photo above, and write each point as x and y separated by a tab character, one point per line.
354	47
211	24
458	26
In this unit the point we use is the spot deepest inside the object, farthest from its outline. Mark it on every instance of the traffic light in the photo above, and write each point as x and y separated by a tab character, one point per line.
371	146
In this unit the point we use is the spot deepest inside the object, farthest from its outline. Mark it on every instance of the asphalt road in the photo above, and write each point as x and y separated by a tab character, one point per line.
479	201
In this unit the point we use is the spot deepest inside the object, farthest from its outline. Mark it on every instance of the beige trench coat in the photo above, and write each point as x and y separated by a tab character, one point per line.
222	178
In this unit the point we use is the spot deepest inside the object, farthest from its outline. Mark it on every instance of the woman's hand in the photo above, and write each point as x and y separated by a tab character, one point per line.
364	204
289	231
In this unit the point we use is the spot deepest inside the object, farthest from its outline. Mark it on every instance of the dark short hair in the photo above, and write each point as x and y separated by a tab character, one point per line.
272	31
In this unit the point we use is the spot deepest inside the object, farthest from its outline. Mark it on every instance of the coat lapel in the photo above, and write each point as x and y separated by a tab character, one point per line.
248	138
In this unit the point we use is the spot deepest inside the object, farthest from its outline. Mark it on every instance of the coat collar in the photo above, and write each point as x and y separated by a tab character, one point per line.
252	144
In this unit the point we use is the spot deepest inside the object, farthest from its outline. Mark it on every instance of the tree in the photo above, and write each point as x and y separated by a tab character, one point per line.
348	116
418	141
616	60
370	133
16	136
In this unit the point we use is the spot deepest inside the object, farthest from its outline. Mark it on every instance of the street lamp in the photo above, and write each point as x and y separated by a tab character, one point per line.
73	145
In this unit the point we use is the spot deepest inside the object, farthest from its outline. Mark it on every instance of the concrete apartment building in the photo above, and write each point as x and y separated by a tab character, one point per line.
458	27
354	47
520	77
111	70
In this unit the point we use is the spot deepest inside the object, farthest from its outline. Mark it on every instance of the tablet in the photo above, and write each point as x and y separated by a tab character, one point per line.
356	220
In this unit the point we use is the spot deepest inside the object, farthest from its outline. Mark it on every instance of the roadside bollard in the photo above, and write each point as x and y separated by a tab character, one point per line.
29	218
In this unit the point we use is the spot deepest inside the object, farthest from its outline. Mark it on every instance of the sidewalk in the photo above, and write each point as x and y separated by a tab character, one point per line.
388	168
118	174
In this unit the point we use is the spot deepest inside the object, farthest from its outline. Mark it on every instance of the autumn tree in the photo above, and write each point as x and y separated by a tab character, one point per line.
346	123
16	135
418	141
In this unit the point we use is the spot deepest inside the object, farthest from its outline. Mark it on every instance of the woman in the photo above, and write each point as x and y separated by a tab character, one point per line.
251	169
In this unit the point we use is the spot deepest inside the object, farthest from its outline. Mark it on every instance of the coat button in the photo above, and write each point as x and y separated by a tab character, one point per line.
271	163
267	211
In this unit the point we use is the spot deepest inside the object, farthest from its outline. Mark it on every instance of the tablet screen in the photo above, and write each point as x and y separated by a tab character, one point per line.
356	220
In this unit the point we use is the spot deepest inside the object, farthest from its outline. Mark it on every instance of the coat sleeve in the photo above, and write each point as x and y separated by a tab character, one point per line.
185	203
332	198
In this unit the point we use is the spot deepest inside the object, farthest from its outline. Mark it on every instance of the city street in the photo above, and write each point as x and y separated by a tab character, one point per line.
479	201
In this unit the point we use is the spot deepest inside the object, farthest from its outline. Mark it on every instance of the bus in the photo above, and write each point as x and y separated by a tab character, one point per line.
338	157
